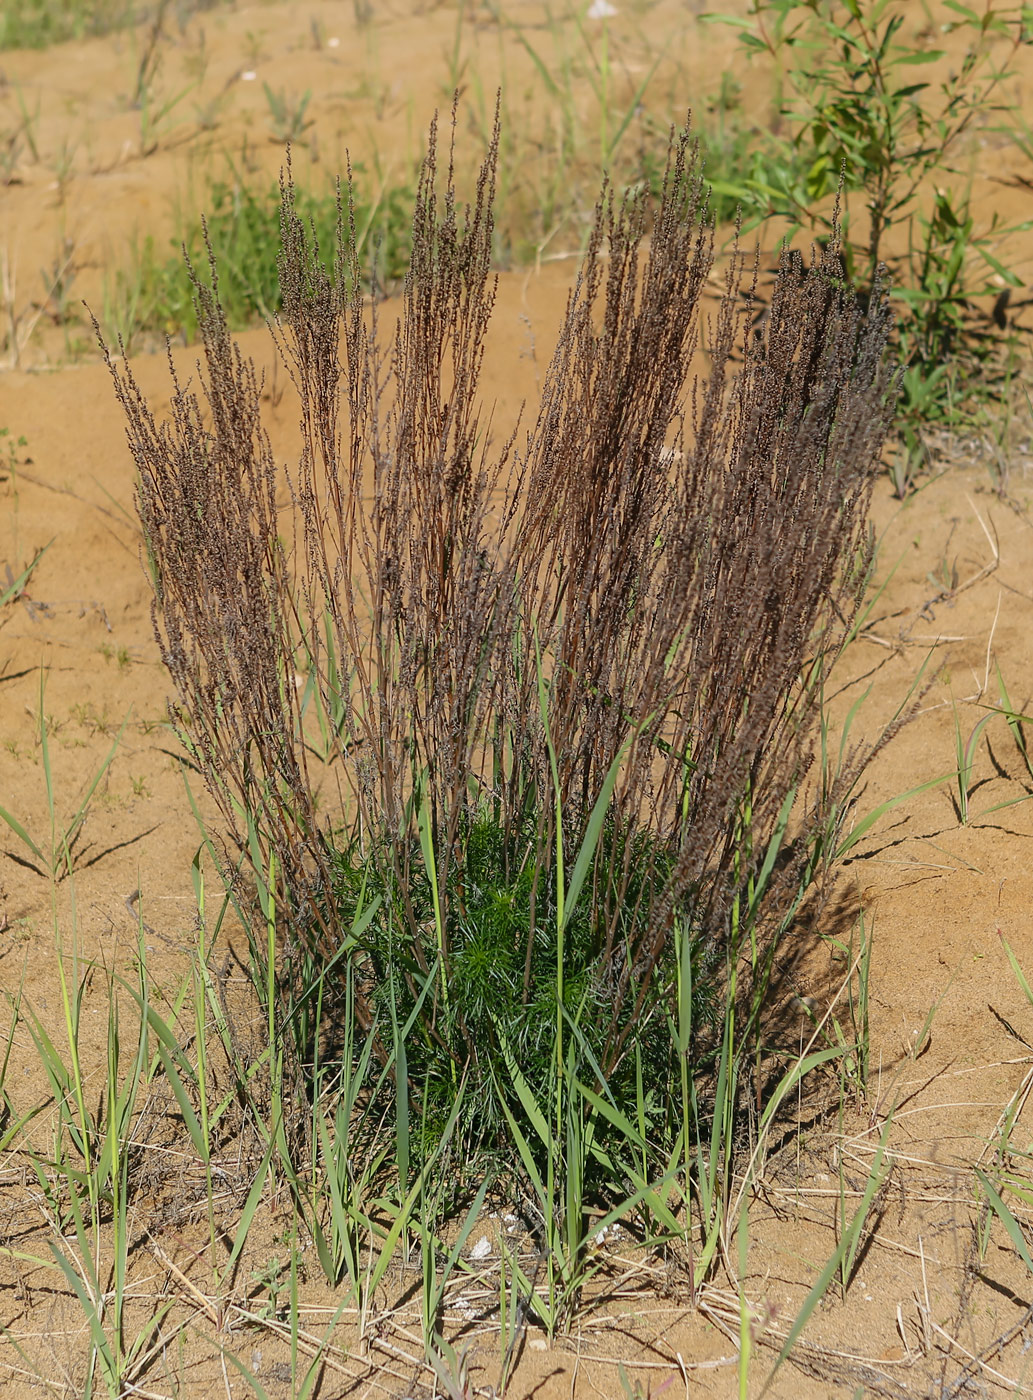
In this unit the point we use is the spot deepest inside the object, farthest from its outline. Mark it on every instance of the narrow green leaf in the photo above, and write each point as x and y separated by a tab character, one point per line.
246	1372
1006	1218
797	1071
17	588
771	855
843	1250
868	821
734	21
23	836
469	1222
96	1325
186	1108
962	10
592	834
527	1099
247	1215
1016	967
523	1147
913	57
1012	279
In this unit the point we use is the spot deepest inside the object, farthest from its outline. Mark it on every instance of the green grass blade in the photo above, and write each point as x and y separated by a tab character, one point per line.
186	1108
247	1215
844	1253
527	1099
93	1318
25	838
17	588
770	855
80	815
469	1222
1014	720
593	832
1016	967
246	1372
869	820
796	1072
1006	1218
523	1146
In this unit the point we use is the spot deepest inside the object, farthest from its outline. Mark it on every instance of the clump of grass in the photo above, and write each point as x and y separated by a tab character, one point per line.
241	230
56	856
37	23
570	685
504	985
33	24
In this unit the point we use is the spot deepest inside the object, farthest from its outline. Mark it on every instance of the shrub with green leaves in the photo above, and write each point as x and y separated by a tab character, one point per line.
858	117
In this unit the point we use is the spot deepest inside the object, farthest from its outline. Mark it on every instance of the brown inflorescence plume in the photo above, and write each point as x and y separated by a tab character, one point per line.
634	602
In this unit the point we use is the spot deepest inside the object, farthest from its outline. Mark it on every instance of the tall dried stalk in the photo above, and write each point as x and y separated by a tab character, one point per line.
650	586
222	607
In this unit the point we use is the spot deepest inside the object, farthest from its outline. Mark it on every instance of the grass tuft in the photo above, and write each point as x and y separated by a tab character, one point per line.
241	229
571	685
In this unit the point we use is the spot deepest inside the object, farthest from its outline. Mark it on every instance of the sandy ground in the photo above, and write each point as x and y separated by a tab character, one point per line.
939	895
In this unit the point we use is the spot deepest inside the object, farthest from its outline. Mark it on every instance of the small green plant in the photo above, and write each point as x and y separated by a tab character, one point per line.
965	752
857	1047
11	450
269	1295
287	116
587	113
254	52
120	655
14	590
29	122
85	1181
155	114
740	154
1012	1172
843	1261
85	1172
56	857
1015	719
57	281
18	137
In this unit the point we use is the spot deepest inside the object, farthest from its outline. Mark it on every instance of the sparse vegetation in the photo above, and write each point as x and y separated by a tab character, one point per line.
241	233
33	24
56	856
522	977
